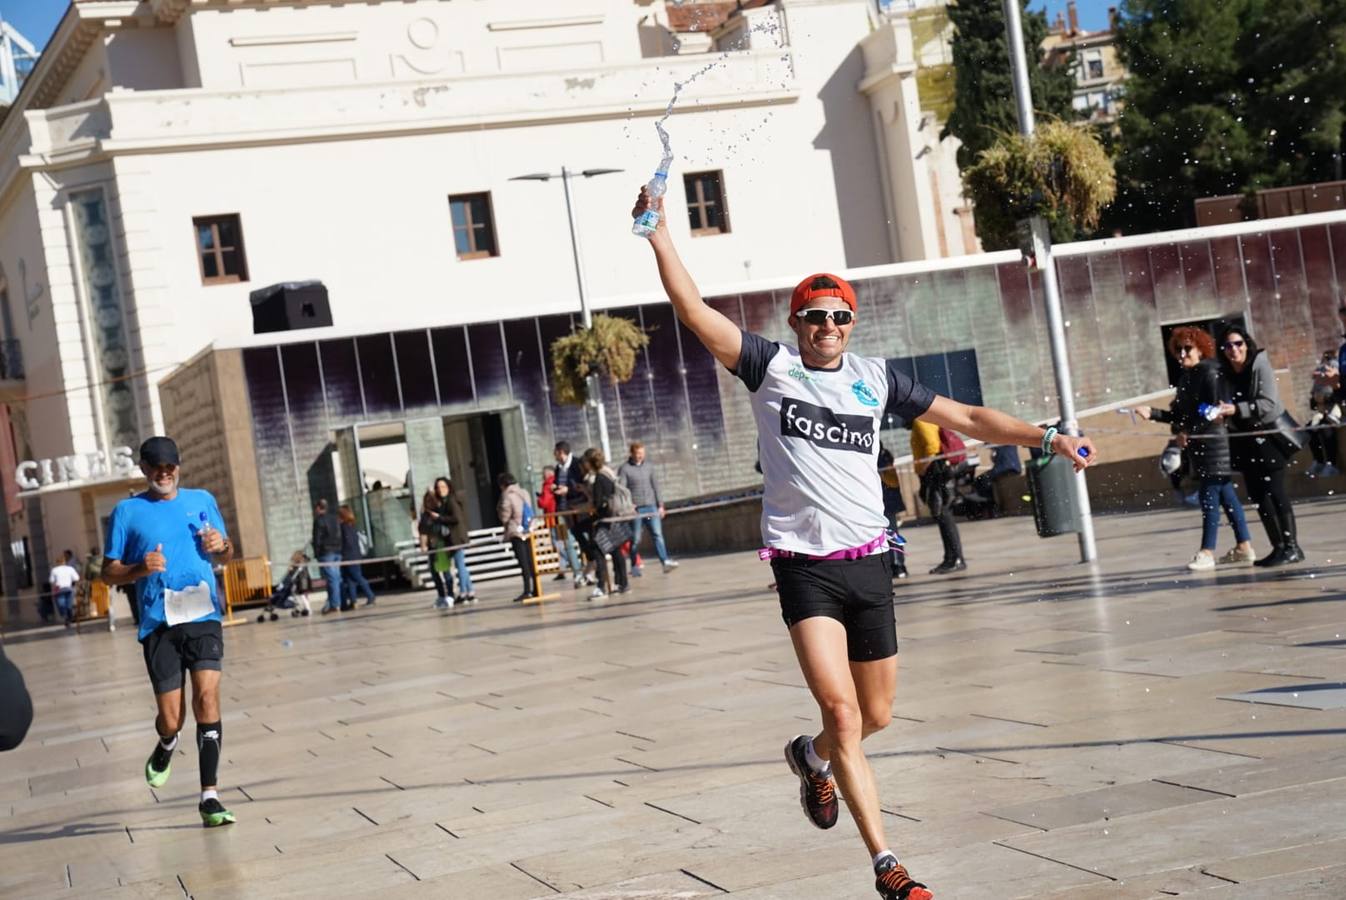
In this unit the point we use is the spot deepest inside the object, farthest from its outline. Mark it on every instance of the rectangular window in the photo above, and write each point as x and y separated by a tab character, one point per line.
473	226
1093	62
705	203
219	246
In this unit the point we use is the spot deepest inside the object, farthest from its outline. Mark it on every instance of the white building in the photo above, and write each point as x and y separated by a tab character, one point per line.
167	157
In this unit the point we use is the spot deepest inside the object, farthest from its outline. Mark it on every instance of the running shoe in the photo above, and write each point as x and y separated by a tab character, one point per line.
213	813
158	765
597	594
1202	562
894	883
817	793
670	566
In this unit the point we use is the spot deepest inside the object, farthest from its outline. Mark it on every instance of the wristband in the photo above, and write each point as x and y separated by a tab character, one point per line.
1047	437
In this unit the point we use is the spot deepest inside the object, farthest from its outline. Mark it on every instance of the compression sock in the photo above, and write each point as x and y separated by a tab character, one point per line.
209	736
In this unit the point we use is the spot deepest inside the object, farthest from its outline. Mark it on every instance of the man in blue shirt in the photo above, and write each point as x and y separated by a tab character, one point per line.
167	541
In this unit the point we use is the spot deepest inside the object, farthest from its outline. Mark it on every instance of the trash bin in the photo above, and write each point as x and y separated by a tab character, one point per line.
1051	486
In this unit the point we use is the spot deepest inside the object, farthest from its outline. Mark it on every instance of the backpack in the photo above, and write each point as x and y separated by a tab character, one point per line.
527	516
950	444
621	503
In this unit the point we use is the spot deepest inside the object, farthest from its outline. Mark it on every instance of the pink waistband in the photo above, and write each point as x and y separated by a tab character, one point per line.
849	553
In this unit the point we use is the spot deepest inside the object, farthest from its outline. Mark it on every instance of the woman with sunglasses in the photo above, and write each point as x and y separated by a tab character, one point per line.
1256	406
1194	415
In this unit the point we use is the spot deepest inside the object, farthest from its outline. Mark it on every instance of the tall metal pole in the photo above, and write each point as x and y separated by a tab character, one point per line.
594	388
1042	245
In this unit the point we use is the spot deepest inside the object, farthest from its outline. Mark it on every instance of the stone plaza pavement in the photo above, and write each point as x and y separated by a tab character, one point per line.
1134	731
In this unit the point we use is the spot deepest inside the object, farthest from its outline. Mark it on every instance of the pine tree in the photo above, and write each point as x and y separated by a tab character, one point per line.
983	88
1225	97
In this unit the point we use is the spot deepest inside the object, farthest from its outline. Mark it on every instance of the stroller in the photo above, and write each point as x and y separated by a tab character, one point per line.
292	592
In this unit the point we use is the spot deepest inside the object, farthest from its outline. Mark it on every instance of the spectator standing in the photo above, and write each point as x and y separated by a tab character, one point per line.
89	572
352	571
512	512
1325	418
327	550
1262	458
605	537
1206	440
569	491
937	491
639	477
63	579
893	507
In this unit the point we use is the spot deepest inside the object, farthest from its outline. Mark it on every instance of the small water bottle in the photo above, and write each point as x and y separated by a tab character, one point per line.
648	221
1208	411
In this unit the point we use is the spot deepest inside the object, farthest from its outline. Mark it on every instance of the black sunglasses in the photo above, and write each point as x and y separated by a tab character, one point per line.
819	316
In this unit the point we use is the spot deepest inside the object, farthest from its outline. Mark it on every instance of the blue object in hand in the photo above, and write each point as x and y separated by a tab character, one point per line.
1084	451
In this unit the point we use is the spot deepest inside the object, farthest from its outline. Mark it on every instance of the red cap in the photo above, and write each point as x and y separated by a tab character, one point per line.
805	292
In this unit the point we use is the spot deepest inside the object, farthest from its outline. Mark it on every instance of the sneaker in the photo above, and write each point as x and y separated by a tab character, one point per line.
636	572
893	882
590	578
597	594
213	813
670	565
626	588
817	793
579	583
561	576
470	598
158	765
1202	562
944	568
1237	557
438	604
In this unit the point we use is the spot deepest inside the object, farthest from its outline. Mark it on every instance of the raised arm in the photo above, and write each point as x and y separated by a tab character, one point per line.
720	335
995	427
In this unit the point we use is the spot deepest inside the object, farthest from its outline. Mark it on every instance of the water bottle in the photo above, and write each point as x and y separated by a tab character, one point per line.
1208	411
647	221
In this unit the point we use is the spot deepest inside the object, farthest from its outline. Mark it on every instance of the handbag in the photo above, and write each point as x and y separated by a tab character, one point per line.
610	536
1288	436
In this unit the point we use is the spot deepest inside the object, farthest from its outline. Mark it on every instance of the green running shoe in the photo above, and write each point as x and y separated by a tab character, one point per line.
158	766
213	814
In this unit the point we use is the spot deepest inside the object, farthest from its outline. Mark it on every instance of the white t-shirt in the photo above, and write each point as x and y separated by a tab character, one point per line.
818	443
63	577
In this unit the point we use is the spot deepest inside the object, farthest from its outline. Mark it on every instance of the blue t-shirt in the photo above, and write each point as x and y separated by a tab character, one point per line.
141	523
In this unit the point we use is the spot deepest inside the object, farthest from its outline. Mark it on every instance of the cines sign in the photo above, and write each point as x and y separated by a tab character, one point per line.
34	475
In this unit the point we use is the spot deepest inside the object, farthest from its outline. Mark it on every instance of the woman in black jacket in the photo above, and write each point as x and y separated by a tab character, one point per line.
353	578
605	538
1194	415
1256	405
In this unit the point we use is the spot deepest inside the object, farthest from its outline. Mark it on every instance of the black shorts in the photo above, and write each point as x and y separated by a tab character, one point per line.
858	593
171	651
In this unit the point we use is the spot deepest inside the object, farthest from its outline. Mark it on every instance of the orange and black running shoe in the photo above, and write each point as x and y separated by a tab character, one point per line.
895	884
817	793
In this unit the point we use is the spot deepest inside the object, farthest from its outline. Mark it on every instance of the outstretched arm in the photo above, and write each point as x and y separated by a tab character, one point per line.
721	336
995	427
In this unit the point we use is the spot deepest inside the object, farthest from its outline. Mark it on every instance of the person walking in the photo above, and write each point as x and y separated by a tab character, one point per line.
352	571
570	496
180	631
513	511
1325	418
936	474
63	579
818	411
1255	405
1194	417
605	536
327	550
638	475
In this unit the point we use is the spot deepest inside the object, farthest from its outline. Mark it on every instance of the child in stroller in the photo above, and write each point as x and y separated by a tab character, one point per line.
292	592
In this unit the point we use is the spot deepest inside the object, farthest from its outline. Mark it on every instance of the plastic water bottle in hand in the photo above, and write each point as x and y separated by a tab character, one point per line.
648	220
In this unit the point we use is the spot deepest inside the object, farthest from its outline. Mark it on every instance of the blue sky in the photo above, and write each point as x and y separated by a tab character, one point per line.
37	19
1093	13
34	19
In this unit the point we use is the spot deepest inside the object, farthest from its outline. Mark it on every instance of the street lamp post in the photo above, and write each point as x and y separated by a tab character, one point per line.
594	389
1039	239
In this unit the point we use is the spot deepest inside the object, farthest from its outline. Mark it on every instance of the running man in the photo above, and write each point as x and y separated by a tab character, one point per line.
167	541
818	412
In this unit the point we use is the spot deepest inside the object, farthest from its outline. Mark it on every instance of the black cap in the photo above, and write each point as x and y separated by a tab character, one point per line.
159	451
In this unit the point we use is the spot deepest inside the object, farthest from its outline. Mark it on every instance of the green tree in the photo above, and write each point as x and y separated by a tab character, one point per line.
1225	97
983	89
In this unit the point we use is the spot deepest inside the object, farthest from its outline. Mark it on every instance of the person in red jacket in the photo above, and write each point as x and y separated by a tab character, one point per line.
546	505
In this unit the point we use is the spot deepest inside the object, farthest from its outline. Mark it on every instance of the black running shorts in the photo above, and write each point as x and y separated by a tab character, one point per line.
858	593
171	651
